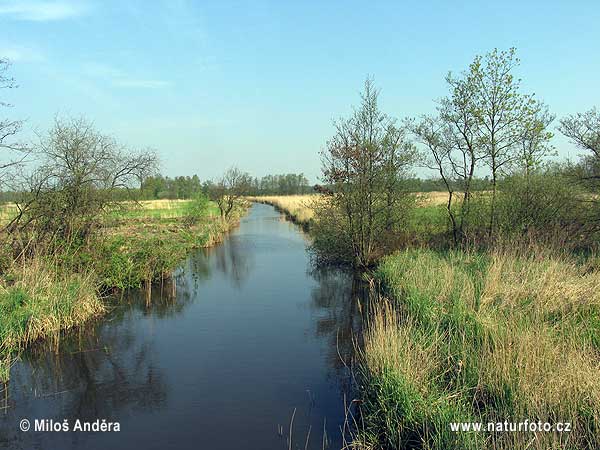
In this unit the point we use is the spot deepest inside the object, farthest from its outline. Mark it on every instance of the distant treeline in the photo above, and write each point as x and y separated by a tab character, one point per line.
436	184
285	184
185	187
161	187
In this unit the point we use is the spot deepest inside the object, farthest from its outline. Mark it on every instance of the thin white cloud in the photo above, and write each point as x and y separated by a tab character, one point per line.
19	53
41	11
143	84
120	79
101	70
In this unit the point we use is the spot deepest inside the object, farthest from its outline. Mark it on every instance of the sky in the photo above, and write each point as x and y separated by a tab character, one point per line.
257	84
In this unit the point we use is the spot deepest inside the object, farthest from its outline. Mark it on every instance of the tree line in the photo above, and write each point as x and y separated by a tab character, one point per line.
488	143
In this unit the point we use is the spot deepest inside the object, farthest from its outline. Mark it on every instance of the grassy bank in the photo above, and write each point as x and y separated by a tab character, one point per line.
137	244
429	217
482	338
298	208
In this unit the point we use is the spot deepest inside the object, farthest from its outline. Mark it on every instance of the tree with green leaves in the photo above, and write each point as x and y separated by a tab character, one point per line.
484	121
364	164
505	115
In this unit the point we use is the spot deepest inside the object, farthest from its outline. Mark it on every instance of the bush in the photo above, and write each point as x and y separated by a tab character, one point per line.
543	203
197	210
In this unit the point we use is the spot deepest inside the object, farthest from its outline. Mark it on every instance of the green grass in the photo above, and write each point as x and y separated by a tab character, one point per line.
38	301
481	337
426	221
157	209
50	293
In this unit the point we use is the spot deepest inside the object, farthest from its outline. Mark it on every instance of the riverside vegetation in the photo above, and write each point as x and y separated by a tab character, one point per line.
485	304
45	294
70	241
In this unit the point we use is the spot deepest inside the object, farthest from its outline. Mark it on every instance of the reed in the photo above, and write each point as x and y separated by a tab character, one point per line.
39	301
471	337
299	208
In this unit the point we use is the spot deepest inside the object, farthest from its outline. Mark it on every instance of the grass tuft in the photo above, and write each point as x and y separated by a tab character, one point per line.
475	337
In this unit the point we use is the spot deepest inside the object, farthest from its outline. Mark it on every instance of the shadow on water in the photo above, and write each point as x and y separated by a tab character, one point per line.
247	334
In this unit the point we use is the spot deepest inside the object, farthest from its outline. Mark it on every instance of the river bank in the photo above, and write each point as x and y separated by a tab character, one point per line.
41	297
250	334
299	209
479	336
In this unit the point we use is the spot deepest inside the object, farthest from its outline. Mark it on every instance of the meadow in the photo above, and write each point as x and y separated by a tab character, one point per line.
138	244
300	208
482	337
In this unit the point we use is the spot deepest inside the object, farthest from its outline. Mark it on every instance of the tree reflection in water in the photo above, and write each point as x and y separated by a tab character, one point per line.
103	370
262	333
337	301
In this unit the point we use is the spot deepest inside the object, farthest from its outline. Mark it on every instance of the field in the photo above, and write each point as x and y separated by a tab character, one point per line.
155	209
137	244
300	207
151	209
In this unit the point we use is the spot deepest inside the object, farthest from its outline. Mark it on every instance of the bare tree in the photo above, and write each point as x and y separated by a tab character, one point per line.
80	171
9	128
584	130
433	134
451	140
228	191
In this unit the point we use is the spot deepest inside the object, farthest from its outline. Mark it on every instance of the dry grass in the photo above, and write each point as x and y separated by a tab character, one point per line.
152	209
7	212
432	198
298	207
483	338
38	302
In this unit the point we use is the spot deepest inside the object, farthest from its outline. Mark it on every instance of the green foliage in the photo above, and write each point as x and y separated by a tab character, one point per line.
37	302
283	184
543	202
365	164
198	209
399	416
14	313
483	330
161	187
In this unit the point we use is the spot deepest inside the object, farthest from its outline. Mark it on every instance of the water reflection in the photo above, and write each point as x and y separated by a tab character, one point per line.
221	354
338	299
104	370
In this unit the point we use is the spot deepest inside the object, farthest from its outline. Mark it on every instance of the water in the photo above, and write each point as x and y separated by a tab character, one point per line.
251	334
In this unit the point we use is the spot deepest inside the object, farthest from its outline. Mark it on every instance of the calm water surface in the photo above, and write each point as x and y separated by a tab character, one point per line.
250	334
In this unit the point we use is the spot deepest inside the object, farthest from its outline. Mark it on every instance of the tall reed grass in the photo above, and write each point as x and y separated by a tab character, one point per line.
38	301
299	208
471	337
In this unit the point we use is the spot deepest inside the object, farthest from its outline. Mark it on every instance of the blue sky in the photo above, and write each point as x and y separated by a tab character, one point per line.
256	84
